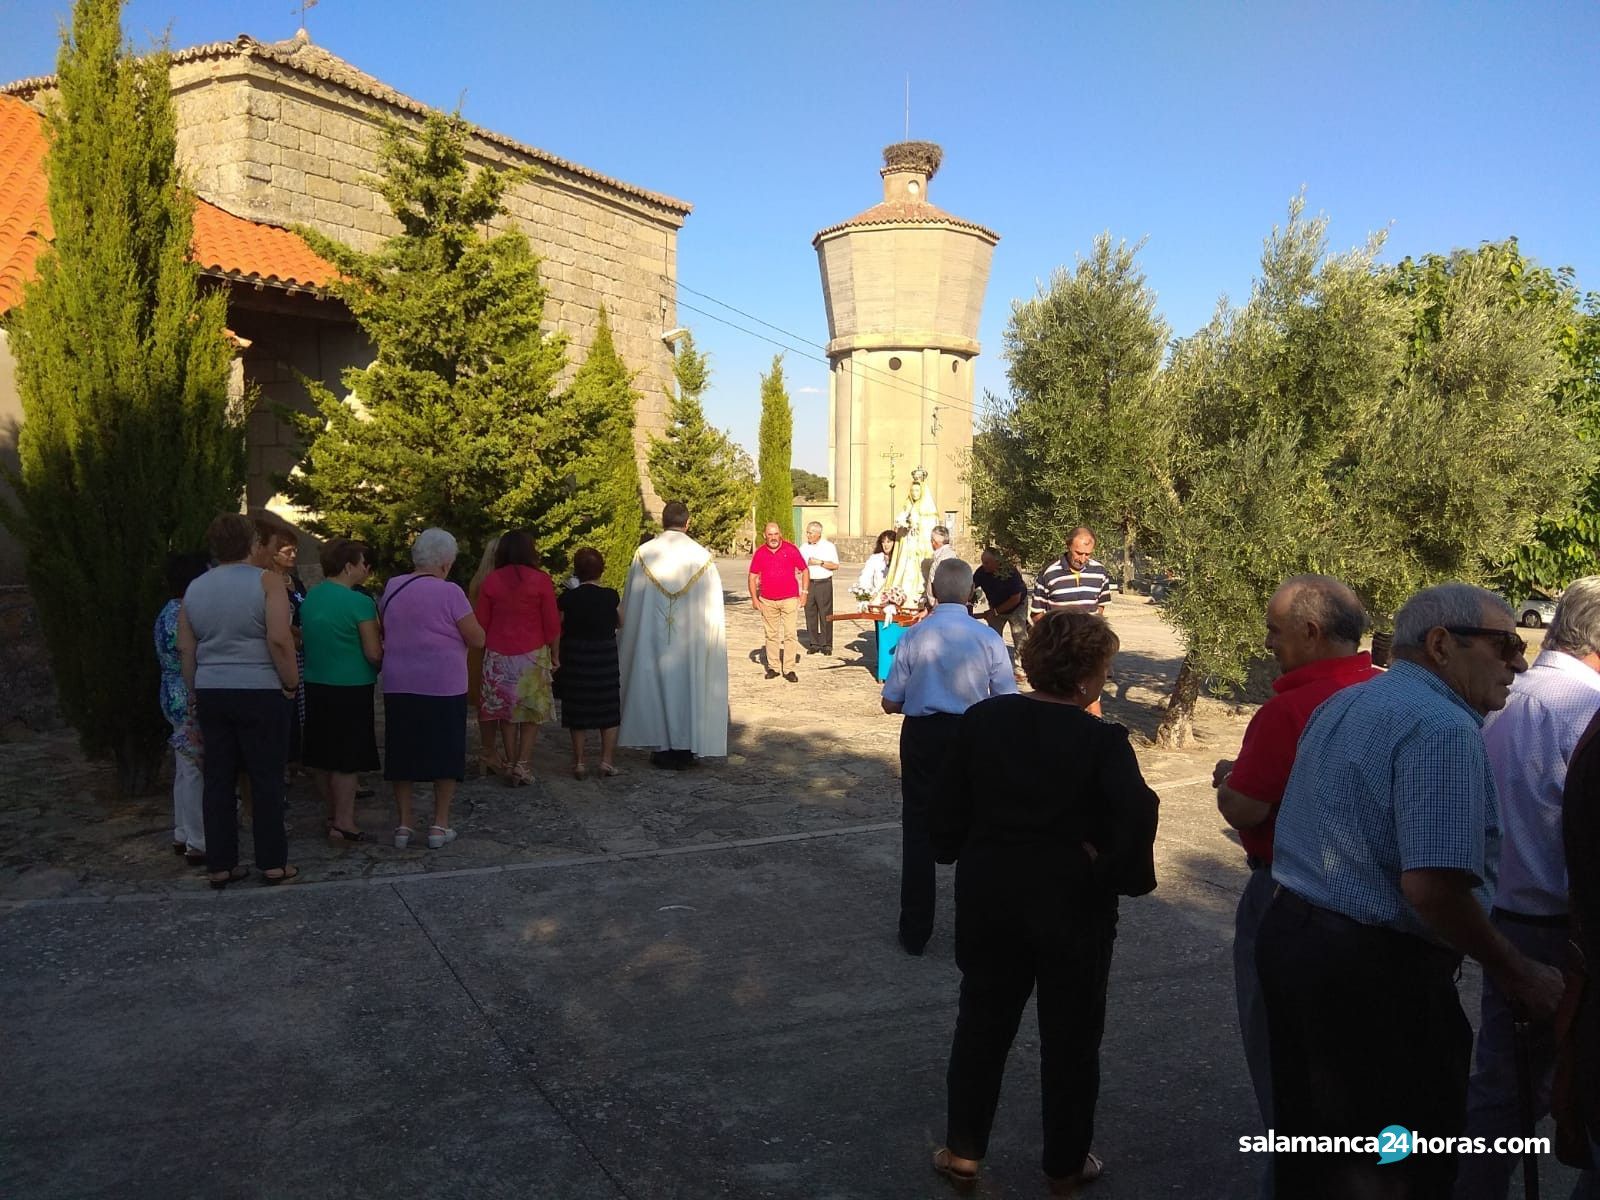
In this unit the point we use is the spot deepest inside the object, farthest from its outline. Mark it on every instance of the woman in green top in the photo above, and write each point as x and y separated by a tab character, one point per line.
339	627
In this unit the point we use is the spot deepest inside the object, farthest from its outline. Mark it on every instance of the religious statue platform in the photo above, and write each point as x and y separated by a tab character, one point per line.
888	633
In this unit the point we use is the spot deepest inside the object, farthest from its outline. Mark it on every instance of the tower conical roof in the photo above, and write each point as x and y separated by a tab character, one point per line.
907	168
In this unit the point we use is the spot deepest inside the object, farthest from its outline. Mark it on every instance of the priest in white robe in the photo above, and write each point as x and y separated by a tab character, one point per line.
674	651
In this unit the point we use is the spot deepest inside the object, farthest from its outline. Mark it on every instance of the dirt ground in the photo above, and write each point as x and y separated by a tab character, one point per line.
814	757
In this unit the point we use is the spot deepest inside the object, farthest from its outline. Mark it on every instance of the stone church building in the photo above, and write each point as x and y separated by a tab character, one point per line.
278	134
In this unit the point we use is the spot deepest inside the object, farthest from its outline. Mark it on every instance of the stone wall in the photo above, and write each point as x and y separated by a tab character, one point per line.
271	143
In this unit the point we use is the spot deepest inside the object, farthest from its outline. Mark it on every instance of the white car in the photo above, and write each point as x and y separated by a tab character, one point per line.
1535	612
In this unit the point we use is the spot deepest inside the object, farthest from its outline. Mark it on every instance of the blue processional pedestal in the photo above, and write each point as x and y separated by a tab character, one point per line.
889	635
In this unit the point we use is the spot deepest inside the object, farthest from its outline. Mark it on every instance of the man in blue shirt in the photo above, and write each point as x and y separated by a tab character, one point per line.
943	665
1384	852
1530	742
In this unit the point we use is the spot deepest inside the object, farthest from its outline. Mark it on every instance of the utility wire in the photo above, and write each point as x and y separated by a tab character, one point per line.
885	378
889	380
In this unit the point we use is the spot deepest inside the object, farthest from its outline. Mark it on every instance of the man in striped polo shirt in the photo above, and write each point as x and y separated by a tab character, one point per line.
1077	580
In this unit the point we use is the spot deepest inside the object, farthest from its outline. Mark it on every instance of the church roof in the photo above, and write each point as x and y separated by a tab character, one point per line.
24	220
299	54
906	212
224	245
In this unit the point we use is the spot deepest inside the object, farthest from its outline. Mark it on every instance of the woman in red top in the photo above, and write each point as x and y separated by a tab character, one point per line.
517	608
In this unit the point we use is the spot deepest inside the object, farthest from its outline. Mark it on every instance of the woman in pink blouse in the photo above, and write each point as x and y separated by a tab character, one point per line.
517	609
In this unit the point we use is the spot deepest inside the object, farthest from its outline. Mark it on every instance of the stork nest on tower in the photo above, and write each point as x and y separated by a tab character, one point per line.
913	156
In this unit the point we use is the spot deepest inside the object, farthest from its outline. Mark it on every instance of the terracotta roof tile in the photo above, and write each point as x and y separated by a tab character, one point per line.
906	212
309	59
223	243
24	218
230	245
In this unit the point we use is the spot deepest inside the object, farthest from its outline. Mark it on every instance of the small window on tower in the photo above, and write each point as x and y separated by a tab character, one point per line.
955	365
894	364
913	187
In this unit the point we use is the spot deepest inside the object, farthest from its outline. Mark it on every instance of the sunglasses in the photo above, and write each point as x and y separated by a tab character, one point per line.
1511	644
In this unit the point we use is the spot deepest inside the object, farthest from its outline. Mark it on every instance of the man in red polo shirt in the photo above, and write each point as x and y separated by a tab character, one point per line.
1314	627
777	574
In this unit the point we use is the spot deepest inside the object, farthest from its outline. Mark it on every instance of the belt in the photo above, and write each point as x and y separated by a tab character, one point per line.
1542	920
1424	951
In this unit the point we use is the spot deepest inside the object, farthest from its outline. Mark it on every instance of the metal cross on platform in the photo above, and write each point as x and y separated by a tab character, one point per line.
303	8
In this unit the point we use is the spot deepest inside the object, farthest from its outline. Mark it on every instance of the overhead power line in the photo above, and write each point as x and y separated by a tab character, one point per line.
885	378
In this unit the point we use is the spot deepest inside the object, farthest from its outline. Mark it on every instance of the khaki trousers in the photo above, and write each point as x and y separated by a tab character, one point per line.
778	618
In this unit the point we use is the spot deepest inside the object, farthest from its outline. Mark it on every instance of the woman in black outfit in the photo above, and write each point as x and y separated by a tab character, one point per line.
1047	818
589	683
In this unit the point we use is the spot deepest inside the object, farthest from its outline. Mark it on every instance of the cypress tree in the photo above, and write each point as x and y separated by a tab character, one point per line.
604	399
457	423
129	443
698	463
775	492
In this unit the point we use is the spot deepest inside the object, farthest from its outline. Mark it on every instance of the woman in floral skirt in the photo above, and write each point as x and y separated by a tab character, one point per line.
517	609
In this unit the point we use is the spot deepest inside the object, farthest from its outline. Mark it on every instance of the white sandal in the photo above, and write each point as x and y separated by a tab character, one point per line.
439	837
402	836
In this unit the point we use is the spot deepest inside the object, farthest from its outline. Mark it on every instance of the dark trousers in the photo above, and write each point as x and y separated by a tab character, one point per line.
819	607
924	743
244	730
1066	952
1366	1031
1492	1093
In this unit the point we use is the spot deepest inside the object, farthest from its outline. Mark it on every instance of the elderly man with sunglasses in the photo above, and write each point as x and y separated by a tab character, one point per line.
1530	742
1385	854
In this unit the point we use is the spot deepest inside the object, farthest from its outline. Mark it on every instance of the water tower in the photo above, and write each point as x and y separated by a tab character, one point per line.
903	283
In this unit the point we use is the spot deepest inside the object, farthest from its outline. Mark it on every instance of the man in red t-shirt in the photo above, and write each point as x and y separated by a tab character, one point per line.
777	574
1314	627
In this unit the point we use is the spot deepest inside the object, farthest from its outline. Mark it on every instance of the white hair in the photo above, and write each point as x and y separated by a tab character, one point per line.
1442	604
434	548
817	525
952	582
1576	626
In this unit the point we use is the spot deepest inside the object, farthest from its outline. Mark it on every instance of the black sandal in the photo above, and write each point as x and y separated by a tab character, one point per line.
285	875
221	879
345	835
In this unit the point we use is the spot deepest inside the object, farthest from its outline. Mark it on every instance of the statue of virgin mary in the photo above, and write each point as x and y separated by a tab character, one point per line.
913	546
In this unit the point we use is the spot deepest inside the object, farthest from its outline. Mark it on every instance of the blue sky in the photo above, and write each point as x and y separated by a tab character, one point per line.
1190	125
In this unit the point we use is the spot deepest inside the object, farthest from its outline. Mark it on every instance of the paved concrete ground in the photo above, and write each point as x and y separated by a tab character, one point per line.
683	986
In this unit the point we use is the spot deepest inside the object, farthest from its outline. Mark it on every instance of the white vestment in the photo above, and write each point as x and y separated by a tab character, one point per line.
674	649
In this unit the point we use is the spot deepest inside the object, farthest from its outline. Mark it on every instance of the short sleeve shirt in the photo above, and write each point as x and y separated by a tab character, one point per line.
823	550
423	654
1083	590
589	613
999	586
777	571
1267	755
1391	776
330	626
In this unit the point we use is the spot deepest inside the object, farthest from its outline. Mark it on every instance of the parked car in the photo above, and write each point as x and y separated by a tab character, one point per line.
1535	612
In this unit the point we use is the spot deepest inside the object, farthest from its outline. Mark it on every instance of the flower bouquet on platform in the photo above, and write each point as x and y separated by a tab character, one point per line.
863	597
891	600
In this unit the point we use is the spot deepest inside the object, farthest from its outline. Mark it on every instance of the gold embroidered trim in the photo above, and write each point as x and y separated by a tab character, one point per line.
672	597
